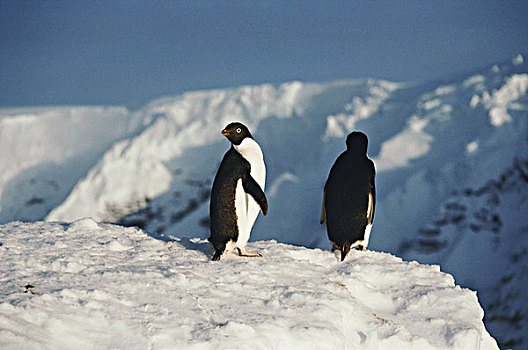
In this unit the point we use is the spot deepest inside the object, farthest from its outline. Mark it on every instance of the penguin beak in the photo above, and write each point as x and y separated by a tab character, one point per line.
224	132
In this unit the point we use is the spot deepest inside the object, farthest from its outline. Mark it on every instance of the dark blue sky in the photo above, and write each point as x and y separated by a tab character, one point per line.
129	52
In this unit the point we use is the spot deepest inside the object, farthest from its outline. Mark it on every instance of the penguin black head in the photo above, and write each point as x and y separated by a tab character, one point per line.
236	133
357	142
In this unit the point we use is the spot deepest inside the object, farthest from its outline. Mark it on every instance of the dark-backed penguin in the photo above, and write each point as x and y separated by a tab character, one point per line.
237	193
349	197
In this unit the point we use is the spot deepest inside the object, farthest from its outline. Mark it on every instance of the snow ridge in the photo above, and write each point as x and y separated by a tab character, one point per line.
104	286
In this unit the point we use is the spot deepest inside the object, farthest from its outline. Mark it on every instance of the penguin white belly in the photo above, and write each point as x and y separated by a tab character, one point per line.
251	151
241	208
370	209
366	236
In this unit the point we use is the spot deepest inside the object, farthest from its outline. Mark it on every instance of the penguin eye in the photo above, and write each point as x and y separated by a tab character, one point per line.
238	130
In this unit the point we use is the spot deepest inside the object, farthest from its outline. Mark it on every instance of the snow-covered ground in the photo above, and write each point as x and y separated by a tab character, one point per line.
98	286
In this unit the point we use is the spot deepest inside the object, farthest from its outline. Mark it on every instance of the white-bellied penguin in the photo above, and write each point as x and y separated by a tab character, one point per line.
237	193
349	197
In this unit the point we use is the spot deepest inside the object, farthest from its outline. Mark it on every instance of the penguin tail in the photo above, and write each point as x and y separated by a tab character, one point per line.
345	248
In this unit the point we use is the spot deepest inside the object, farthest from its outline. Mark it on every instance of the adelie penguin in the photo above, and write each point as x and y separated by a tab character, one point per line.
349	197
237	193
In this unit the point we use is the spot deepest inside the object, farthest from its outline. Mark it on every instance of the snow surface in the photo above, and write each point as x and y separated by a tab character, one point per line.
100	286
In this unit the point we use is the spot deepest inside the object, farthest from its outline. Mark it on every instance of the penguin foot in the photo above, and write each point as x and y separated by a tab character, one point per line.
217	255
248	254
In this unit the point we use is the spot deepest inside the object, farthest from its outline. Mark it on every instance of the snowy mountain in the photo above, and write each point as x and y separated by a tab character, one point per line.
44	152
432	142
86	285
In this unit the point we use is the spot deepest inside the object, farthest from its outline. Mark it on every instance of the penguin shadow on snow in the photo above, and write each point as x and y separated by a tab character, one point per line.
195	244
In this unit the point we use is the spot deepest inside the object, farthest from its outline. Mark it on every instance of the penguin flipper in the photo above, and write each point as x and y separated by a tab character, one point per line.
252	188
323	212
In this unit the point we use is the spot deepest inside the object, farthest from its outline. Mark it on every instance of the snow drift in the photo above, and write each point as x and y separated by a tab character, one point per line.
99	286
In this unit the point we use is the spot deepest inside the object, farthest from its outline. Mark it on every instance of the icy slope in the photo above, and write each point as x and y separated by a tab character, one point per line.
45	151
103	286
485	229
